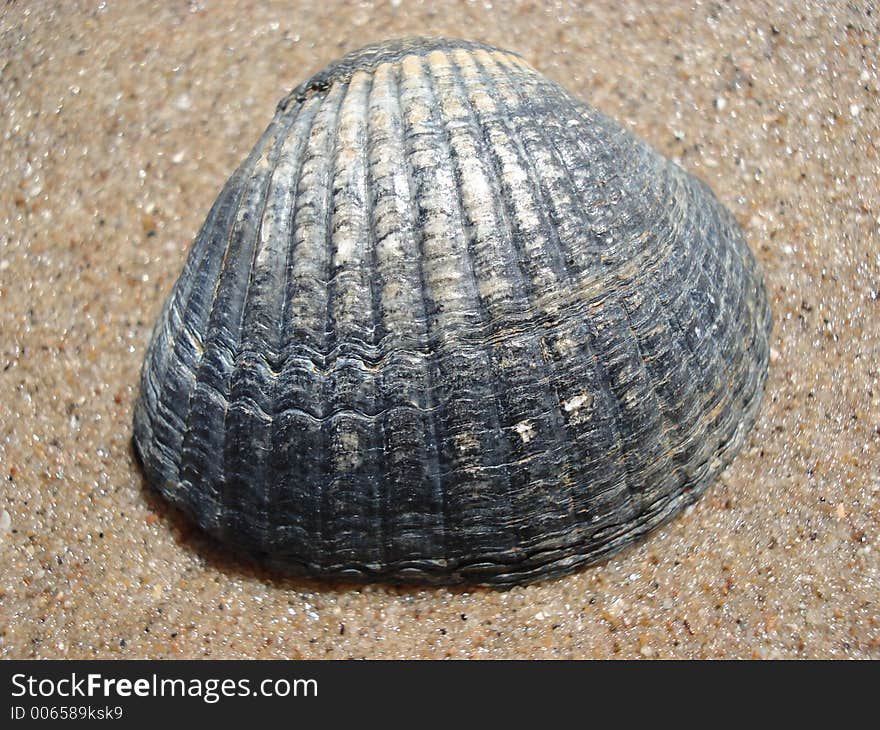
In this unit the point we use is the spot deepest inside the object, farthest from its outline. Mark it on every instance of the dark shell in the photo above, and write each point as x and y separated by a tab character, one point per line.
447	324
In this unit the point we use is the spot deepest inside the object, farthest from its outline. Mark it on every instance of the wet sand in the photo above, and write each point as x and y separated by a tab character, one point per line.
120	125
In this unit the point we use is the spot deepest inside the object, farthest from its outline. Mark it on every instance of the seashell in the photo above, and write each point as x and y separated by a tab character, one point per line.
447	324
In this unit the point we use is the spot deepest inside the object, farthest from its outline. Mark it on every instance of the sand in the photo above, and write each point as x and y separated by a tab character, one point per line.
121	122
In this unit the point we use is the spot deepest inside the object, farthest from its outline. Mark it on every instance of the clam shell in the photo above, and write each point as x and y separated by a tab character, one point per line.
447	324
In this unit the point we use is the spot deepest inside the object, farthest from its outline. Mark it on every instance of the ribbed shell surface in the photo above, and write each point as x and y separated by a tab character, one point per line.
447	324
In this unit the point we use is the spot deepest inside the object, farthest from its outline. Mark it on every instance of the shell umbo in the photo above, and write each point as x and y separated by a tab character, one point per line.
447	324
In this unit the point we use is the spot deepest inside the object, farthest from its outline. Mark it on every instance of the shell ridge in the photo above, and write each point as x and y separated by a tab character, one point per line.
379	443
490	408
749	381
414	112
650	462
605	146
623	478
433	470
448	281
464	142
676	310
551	196
325	227
641	355
674	223
195	438
558	266
638	303
352	524
307	356
305	116
162	420
335	439
304	326
683	268
660	457
247	414
329	338
524	288
610	484
555	134
646	265
163	342
297	389
691	212
722	265
195	316
519	145
244	238
332	354
264	323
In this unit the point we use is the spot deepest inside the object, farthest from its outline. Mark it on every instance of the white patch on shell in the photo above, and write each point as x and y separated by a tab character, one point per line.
574	405
349	216
565	346
525	430
466	442
350	455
